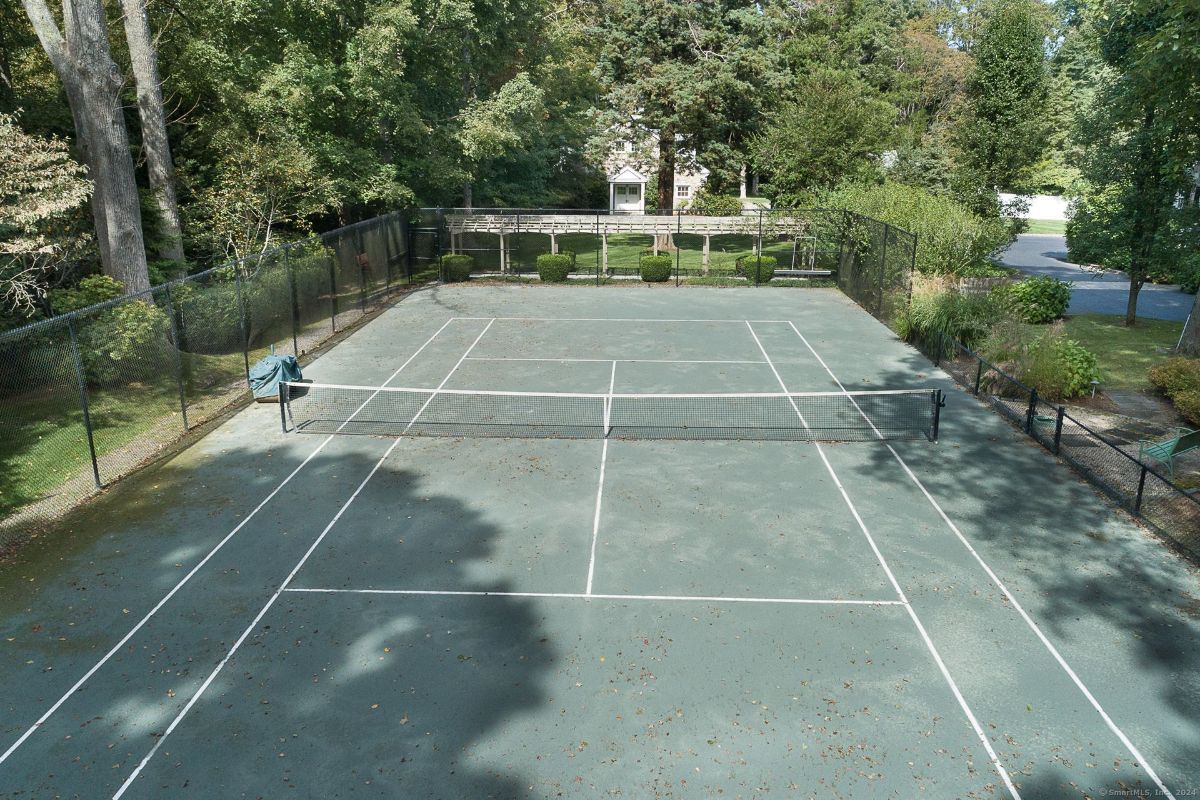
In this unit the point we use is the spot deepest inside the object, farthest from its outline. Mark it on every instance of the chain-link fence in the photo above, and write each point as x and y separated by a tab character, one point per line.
89	396
1111	465
869	259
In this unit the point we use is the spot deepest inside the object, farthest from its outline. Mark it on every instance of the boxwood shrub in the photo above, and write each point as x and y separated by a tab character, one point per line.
656	269
756	268
554	267
457	267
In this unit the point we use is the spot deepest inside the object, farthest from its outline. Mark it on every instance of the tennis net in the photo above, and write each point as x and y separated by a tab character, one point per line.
809	416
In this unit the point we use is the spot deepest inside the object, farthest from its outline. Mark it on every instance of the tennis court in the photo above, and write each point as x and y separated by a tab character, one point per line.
524	542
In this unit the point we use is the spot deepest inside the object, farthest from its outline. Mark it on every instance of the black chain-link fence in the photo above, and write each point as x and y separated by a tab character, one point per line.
870	260
1110	464
89	396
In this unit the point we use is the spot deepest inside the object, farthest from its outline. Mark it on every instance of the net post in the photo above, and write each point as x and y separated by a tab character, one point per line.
1058	426
978	374
175	345
83	399
1141	490
1031	412
283	401
938	399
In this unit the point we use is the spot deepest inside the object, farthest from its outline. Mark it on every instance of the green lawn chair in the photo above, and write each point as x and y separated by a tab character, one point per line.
1166	451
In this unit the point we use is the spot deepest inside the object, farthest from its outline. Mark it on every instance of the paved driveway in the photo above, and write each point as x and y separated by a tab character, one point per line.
1045	254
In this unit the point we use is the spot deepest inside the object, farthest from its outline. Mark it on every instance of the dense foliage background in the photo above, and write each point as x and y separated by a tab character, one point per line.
275	117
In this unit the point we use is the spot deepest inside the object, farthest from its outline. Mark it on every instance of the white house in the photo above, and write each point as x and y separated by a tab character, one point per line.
627	182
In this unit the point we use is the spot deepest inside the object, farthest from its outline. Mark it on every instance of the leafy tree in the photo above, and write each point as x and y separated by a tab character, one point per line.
833	130
687	76
41	187
1139	140
82	59
1003	134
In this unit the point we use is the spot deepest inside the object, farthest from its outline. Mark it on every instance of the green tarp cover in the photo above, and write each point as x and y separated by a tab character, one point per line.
266	374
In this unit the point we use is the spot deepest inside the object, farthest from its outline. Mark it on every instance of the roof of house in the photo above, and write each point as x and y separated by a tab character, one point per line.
628	174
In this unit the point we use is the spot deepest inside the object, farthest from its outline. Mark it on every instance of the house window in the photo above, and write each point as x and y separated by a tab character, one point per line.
683	192
628	146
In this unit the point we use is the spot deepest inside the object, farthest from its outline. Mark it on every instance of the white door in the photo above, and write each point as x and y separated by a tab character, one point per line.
627	197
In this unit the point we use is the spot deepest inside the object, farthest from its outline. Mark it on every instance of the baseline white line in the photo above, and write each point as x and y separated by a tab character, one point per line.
615	319
619	360
192	572
590	596
1062	662
933	651
270	602
612	380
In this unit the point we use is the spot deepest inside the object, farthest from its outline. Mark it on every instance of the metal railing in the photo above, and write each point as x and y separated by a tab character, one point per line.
1109	464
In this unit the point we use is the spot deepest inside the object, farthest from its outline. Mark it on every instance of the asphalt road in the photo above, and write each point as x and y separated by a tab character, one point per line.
1046	254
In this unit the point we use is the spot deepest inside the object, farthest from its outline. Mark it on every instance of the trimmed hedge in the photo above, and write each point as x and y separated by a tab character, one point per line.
759	269
1179	379
656	269
457	268
554	267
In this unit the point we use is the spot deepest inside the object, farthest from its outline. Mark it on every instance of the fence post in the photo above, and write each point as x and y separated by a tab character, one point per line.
1032	411
1137	501
83	399
333	303
287	260
437	245
887	229
1058	425
178	354
678	250
597	249
387	255
978	374
362	268
758	258
237	280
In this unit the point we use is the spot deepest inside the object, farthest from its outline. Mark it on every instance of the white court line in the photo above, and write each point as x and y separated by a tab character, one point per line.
612	380
183	712
192	572
620	360
1062	662
684	598
933	651
616	319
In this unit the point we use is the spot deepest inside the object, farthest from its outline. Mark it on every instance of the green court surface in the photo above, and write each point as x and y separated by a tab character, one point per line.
273	614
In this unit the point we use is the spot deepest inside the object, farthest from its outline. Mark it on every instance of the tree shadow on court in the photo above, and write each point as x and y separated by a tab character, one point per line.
331	695
1089	579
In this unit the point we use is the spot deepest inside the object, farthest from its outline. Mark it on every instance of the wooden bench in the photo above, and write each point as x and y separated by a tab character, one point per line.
1167	450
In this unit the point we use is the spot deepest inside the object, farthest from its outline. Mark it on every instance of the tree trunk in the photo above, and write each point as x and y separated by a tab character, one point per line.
1131	305
92	81
468	195
159	167
666	183
1190	343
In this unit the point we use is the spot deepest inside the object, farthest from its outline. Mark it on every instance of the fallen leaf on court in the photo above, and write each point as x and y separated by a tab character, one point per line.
374	706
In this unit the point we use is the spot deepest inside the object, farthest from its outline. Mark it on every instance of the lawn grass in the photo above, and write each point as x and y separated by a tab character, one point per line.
1125	354
625	251
1047	226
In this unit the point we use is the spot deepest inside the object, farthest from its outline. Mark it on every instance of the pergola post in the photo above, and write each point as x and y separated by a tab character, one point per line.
604	252
707	239
553	242
503	257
